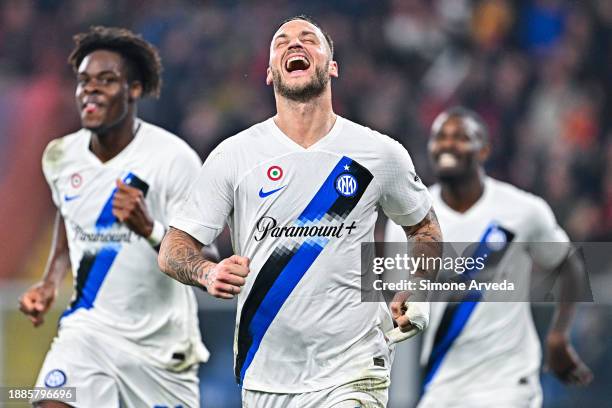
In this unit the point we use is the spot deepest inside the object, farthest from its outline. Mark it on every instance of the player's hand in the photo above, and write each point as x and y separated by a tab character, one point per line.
129	207
564	362
37	300
224	280
398	311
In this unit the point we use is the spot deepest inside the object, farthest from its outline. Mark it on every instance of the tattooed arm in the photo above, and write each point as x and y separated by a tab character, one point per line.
426	238
181	258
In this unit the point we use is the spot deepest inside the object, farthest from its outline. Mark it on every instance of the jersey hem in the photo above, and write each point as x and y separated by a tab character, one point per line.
261	387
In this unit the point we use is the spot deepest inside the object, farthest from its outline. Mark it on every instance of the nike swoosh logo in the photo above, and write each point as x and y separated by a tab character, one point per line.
70	198
264	194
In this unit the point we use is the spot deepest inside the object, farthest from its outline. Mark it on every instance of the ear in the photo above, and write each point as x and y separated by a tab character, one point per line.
484	153
333	69
269	76
134	91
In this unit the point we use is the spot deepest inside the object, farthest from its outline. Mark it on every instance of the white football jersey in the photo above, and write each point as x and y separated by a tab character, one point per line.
300	216
120	292
473	348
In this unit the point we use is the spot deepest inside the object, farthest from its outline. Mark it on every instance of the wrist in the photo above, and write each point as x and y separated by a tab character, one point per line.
157	234
205	277
557	336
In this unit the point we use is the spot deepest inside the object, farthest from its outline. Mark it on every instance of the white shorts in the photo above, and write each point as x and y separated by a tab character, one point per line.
366	393
105	376
526	394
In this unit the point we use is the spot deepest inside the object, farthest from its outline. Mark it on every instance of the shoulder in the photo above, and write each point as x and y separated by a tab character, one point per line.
512	194
534	208
243	146
372	138
59	151
163	141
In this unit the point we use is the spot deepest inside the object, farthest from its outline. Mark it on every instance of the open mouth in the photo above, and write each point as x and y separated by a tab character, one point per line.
447	160
297	63
91	106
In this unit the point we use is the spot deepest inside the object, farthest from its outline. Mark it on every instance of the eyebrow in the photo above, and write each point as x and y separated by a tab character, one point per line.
302	34
106	71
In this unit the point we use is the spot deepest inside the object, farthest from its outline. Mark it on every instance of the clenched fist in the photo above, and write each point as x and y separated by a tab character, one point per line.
37	300
130	208
224	280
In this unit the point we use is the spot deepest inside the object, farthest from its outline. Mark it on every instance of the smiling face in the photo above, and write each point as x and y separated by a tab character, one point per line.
103	94
300	61
457	149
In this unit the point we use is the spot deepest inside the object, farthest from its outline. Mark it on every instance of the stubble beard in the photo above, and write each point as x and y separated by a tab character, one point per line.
302	93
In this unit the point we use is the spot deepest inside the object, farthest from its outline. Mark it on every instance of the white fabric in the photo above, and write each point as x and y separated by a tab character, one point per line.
498	345
323	334
104	375
133	301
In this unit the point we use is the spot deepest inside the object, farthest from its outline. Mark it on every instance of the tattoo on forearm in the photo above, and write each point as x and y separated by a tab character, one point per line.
426	239
428	230
181	257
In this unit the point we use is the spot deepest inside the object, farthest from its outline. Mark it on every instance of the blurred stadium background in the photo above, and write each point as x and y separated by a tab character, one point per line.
539	72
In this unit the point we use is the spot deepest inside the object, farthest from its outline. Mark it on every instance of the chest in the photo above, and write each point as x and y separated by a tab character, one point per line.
86	190
306	188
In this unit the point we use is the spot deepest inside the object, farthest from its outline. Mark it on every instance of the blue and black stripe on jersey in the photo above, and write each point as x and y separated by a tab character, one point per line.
94	266
456	315
285	267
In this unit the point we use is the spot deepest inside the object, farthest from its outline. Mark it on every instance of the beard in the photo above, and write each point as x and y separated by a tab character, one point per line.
301	93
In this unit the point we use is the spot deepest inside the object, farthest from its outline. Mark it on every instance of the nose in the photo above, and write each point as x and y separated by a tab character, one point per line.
442	142
295	43
90	86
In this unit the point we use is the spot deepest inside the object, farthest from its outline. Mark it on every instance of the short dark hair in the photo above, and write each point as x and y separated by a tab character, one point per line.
312	21
464	113
141	57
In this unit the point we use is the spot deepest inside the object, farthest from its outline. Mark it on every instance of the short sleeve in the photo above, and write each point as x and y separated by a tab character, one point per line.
548	243
209	201
404	197
181	174
50	163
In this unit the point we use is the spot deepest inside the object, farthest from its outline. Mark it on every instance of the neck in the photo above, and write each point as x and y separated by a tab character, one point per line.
110	142
462	195
305	122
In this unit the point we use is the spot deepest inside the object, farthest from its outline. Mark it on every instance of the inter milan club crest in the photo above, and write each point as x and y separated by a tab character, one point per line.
346	185
76	180
275	173
55	378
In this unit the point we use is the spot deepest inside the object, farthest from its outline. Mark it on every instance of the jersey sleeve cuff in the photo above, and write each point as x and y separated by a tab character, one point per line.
205	234
415	216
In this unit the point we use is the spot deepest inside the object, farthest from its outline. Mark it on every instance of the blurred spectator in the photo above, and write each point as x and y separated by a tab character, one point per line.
537	71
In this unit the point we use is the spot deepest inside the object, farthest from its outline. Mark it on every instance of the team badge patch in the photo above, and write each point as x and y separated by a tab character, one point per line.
496	240
346	185
275	173
76	180
55	378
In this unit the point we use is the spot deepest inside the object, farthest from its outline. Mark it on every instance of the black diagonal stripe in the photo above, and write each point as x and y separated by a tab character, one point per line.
344	205
443	327
85	265
492	260
281	257
265	278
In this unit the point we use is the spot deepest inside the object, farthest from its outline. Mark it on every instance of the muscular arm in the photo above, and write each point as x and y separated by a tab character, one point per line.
425	237
180	257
